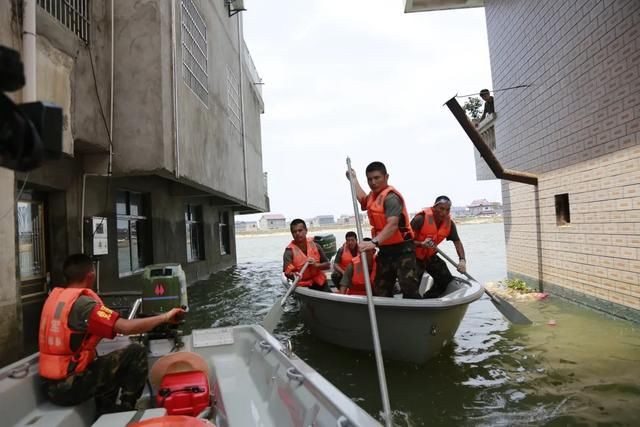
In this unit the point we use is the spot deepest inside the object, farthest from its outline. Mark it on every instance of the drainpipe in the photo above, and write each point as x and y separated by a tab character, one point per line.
502	173
174	83
244	140
485	151
29	50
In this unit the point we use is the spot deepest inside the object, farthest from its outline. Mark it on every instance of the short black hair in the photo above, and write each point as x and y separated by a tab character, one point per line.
485	92
442	199
296	222
351	234
76	267
376	166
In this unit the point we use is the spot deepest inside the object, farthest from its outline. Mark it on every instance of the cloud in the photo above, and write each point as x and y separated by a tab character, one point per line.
361	78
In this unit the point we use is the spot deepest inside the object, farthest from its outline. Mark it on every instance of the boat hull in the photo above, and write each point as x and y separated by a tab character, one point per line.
254	380
409	330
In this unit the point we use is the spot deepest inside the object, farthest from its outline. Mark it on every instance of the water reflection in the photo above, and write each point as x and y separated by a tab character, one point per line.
583	370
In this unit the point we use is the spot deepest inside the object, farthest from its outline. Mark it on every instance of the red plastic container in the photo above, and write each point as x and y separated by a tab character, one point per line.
184	393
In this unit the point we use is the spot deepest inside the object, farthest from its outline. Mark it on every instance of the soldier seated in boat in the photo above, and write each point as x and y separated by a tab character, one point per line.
73	321
431	226
345	254
353	279
298	252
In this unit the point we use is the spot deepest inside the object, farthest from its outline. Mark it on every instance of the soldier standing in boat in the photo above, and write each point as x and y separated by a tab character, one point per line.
303	249
391	232
345	254
432	226
73	322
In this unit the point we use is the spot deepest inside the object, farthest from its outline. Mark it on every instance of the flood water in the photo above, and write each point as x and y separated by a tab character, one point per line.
585	370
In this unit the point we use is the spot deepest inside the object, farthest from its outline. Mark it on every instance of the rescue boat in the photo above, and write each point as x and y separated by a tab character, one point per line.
234	376
410	330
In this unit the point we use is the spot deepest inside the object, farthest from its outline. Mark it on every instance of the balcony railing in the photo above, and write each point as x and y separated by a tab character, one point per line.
487	130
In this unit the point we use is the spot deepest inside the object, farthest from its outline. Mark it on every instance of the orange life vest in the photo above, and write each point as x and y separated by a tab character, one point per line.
357	280
57	359
429	229
374	204
346	257
312	274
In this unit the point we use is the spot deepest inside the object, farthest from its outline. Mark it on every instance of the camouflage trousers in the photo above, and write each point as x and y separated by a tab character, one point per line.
396	266
437	269
336	278
122	371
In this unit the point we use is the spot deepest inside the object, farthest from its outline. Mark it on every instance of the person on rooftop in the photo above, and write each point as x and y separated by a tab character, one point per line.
488	104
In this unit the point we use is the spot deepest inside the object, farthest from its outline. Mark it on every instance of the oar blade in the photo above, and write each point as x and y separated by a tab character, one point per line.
512	314
273	317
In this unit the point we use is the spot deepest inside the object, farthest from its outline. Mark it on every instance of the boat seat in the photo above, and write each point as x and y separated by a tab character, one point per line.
52	415
124	418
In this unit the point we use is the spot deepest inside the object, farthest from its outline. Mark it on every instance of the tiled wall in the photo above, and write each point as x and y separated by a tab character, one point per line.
578	127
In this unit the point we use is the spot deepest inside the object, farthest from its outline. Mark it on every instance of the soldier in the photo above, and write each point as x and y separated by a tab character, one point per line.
391	232
346	253
73	322
431	226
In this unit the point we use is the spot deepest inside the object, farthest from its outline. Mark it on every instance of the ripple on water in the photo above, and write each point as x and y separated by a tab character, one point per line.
583	370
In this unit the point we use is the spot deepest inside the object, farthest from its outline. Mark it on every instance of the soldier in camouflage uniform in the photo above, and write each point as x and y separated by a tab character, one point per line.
391	232
73	321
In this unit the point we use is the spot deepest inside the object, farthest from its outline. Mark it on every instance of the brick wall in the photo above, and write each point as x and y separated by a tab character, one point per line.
582	60
578	127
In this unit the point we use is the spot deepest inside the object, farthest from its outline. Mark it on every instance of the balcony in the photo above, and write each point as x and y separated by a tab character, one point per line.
486	129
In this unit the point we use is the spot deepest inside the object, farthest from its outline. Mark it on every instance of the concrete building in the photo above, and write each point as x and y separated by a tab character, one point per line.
272	222
484	207
246	226
161	96
573	228
322	220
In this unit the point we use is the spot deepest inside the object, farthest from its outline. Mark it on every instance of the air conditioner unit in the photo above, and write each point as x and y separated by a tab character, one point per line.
235	6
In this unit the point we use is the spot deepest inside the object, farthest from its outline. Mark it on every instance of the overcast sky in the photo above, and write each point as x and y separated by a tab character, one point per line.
363	79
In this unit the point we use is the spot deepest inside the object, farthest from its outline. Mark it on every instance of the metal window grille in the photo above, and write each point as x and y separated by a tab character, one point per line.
194	50
73	14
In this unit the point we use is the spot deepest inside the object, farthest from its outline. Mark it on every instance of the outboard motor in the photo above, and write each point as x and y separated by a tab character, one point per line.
164	286
328	244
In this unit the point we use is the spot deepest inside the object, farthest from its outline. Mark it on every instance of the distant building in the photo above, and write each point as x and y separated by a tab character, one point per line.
459	211
273	222
351	219
322	220
484	207
246	226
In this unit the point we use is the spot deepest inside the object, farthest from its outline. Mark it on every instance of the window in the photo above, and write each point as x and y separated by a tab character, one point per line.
132	232
563	216
74	15
194	50
195	232
223	233
233	98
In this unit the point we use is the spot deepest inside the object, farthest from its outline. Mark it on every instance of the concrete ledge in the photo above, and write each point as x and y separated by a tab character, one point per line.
604	306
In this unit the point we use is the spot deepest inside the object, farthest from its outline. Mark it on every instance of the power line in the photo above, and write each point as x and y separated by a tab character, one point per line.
495	90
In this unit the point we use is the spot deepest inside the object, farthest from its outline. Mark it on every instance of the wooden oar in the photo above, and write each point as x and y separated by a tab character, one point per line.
274	315
512	314
377	350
